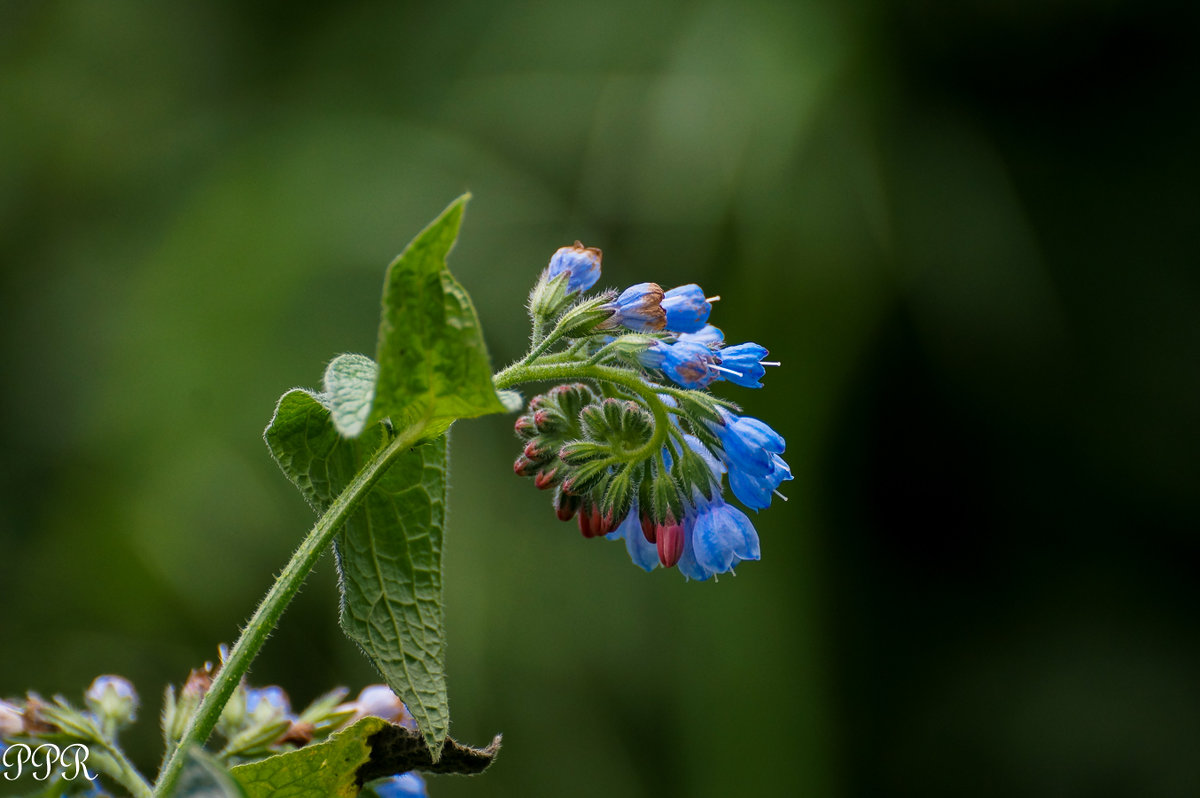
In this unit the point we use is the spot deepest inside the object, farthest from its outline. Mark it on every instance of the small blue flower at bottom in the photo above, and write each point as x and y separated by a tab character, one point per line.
716	538
405	785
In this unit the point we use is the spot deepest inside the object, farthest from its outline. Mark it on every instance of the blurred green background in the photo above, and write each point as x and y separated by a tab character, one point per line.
967	229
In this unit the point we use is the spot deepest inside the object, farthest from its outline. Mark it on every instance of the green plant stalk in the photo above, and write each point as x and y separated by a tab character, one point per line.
117	766
275	602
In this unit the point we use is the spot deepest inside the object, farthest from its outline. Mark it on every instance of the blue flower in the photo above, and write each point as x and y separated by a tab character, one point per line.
722	537
691	365
643	552
268	703
742	365
687	308
580	262
755	491
751	450
405	785
639	308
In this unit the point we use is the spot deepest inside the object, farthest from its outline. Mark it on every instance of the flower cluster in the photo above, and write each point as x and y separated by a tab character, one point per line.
640	451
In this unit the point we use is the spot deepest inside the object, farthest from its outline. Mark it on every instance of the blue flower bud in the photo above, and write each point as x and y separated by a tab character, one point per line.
405	785
580	262
267	703
112	699
686	308
638	307
378	700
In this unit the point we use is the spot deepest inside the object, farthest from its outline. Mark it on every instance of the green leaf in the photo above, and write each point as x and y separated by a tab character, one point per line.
338	767
322	770
350	389
389	551
204	777
431	354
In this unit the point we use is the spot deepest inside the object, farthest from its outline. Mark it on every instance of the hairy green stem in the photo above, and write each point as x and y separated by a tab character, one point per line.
124	772
273	604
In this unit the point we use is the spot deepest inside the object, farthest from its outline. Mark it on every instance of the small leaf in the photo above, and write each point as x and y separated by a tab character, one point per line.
389	551
204	777
323	770
350	389
431	353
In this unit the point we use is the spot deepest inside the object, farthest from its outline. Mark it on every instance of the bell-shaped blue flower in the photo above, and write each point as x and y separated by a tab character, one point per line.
405	785
689	364
722	537
687	308
755	491
751	450
742	364
580	262
638	307
643	553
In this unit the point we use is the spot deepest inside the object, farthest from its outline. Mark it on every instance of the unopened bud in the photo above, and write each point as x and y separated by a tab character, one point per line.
112	699
546	478
525	427
565	505
669	537
524	467
11	722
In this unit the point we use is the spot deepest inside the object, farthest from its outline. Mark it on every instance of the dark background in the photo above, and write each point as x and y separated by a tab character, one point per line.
968	230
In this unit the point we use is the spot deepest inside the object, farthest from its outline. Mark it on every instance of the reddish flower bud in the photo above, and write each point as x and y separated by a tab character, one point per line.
565	505
546	478
585	521
524	426
534	451
524	467
669	536
648	528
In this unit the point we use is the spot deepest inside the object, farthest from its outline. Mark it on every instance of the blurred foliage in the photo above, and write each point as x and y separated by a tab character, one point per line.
967	229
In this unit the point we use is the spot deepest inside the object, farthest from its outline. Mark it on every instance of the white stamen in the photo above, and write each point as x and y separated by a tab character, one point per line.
728	371
768	363
713	299
780	495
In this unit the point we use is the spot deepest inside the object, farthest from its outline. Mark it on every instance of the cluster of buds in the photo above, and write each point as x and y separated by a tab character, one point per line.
650	354
257	722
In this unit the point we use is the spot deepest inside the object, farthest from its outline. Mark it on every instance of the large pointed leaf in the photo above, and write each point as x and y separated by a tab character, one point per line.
431	354
389	551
